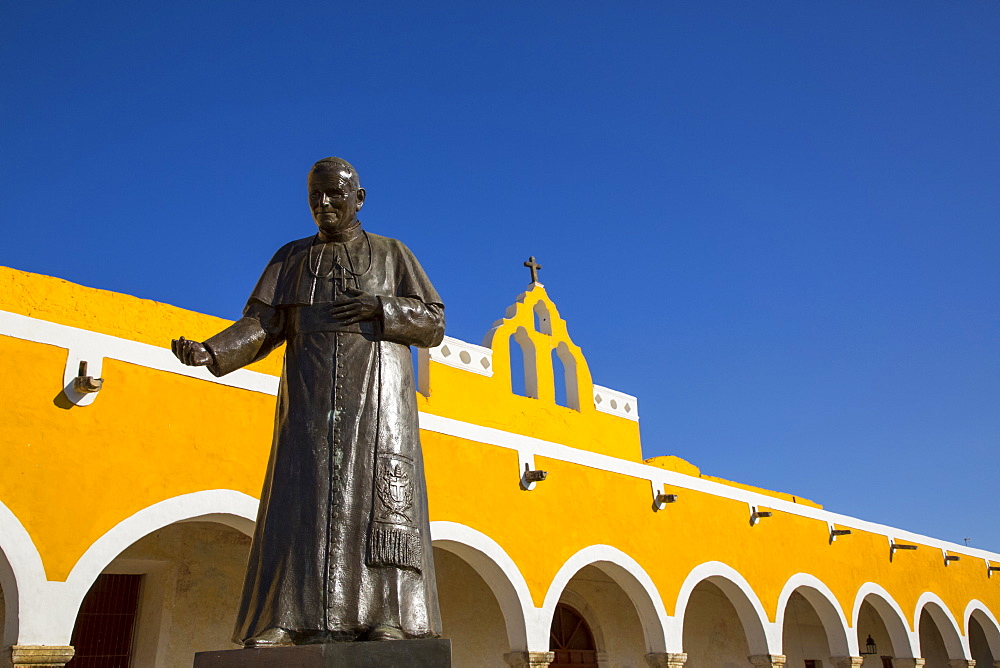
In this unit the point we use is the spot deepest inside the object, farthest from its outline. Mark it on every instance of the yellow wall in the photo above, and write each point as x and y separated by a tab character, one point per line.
73	472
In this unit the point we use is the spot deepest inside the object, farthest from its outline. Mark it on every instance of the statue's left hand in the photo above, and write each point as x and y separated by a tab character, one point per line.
356	307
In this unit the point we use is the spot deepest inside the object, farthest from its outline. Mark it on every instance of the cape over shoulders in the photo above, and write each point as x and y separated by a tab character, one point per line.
305	242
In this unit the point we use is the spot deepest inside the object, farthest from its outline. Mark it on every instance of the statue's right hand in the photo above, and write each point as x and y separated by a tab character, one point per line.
191	353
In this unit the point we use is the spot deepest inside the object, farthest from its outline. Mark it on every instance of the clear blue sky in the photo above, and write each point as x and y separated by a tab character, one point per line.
775	223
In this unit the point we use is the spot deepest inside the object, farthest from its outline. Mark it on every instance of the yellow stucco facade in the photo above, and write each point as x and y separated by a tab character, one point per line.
159	444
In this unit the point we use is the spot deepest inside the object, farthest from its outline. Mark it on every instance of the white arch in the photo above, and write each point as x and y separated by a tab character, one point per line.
762	636
628	574
48	618
21	570
499	571
954	642
838	637
987	621
904	643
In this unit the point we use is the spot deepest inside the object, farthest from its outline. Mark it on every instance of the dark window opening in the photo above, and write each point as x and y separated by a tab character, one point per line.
571	640
104	628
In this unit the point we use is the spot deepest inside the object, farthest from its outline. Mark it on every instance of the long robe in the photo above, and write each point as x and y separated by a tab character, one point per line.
342	541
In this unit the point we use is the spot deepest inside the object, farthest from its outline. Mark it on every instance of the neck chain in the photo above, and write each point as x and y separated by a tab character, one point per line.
335	264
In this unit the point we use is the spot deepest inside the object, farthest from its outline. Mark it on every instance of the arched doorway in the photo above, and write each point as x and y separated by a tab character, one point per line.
871	625
876	614
609	598
182	584
470	614
571	639
713	633
979	642
932	646
803	636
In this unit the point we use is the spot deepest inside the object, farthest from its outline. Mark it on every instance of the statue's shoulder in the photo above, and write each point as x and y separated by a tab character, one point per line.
388	243
291	248
298	244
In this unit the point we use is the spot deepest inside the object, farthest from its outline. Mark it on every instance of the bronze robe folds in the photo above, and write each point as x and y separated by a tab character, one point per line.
342	541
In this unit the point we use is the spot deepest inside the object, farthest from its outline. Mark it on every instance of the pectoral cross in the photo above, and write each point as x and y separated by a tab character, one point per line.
534	267
339	278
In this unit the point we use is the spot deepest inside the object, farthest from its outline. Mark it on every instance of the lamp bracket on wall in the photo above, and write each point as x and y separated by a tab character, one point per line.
894	547
756	514
530	476
835	532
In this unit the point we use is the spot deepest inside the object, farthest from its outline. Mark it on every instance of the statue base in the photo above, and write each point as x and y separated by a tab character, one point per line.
432	653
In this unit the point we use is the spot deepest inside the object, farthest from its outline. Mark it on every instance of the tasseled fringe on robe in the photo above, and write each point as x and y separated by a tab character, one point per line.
390	545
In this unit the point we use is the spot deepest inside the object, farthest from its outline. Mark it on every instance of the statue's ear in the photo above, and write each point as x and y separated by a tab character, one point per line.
361	198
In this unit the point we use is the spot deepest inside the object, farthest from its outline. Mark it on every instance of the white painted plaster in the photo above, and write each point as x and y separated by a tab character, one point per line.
470	615
498	570
803	633
657	475
41	331
611	616
956	644
933	649
628	574
617	403
713	633
870	624
841	641
525	463
83	344
762	635
192	582
905	643
658	489
461	355
48	614
986	620
582	605
21	571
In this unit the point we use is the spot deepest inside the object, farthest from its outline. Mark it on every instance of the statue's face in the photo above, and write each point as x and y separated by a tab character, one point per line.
334	200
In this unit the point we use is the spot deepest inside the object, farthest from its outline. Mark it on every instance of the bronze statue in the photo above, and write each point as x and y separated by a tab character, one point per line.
341	550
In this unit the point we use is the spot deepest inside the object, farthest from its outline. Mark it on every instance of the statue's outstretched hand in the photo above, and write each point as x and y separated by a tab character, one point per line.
191	353
357	306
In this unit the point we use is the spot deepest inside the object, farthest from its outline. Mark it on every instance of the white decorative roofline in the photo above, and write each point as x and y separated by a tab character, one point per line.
461	355
617	403
154	357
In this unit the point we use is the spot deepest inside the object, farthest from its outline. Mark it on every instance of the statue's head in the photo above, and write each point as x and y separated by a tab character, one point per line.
335	194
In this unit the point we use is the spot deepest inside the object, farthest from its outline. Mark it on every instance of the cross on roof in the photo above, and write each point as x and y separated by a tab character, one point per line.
534	267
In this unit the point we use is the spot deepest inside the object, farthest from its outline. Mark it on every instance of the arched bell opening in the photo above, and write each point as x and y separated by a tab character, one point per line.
523	373
471	616
559	379
564	373
542	319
